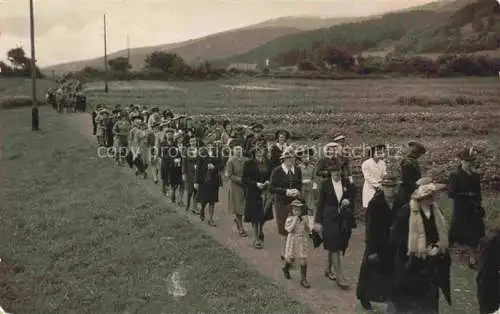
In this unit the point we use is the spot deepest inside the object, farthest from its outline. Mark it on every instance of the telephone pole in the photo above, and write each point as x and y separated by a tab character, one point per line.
128	50
106	88
35	118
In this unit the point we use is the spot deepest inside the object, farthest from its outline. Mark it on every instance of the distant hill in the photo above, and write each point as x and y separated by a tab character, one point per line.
472	28
217	46
380	33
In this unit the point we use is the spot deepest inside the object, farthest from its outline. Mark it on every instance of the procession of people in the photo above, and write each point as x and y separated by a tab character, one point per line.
311	196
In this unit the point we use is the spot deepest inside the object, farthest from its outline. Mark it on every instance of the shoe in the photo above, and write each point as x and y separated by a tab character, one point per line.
212	223
330	275
304	283
286	271
342	284
243	234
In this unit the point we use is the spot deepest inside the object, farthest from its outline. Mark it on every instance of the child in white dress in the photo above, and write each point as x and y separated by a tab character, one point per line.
297	242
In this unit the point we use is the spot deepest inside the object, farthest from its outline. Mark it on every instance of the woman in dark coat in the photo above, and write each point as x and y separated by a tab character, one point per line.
410	173
488	276
422	264
334	219
208	182
256	175
189	172
286	185
168	152
467	225
375	274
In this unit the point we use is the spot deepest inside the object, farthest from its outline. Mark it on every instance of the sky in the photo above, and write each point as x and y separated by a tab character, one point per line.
71	30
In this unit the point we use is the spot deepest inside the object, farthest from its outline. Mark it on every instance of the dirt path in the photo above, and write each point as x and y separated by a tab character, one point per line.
323	296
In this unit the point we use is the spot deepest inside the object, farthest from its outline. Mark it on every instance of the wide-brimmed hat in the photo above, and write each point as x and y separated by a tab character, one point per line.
418	146
426	188
297	203
255	126
468	154
378	147
288	153
339	138
284	132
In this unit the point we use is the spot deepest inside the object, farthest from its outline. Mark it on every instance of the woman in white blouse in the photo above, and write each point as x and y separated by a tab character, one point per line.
374	170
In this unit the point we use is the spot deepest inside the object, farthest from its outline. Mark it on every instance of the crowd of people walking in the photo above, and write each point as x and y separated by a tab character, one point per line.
312	199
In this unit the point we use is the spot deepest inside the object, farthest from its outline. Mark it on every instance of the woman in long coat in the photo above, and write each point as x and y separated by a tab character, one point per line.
189	172
375	274
467	225
256	174
168	151
335	220
236	192
286	185
208	182
422	264
309	185
488	275
138	147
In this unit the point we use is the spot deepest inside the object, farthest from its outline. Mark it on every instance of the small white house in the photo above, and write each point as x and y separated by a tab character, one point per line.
243	66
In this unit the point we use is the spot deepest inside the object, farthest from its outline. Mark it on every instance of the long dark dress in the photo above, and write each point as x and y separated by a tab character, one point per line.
417	281
337	224
467	225
255	198
279	183
488	276
274	159
410	174
208	180
374	283
169	152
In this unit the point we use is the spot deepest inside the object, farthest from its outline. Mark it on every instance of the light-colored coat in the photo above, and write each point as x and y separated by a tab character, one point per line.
297	240
236	191
373	172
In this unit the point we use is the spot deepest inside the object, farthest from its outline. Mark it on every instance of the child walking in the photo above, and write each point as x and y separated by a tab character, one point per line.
298	228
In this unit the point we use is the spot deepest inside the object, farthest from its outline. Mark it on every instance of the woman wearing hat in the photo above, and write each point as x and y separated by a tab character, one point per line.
189	172
410	173
277	148
374	169
207	183
286	185
236	192
375	274
168	152
422	265
297	241
258	202
467	223
138	147
334	219
121	130
488	275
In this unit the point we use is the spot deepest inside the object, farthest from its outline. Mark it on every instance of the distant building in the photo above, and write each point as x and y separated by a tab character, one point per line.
243	66
293	68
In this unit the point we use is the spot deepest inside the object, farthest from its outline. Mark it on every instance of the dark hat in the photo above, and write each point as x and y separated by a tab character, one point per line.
256	126
284	132
468	154
376	148
418	146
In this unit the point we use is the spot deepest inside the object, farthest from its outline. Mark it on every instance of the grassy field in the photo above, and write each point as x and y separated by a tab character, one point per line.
80	236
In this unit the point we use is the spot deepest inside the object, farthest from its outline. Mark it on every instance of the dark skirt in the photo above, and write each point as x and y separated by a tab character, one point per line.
171	175
425	303
282	211
375	280
208	193
259	210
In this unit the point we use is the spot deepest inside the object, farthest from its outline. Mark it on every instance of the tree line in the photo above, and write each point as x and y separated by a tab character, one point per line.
325	58
19	64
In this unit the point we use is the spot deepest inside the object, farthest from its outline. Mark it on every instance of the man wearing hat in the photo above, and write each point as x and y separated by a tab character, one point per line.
375	274
422	265
374	169
256	138
277	148
121	131
410	173
286	185
467	223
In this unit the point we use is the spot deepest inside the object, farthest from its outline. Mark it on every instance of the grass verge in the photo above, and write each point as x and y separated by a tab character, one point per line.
79	236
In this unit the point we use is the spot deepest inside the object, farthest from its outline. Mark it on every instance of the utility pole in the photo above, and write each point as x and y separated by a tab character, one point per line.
35	118
106	88
128	50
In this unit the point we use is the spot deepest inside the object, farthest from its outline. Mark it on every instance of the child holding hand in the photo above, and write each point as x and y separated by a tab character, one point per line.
298	228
